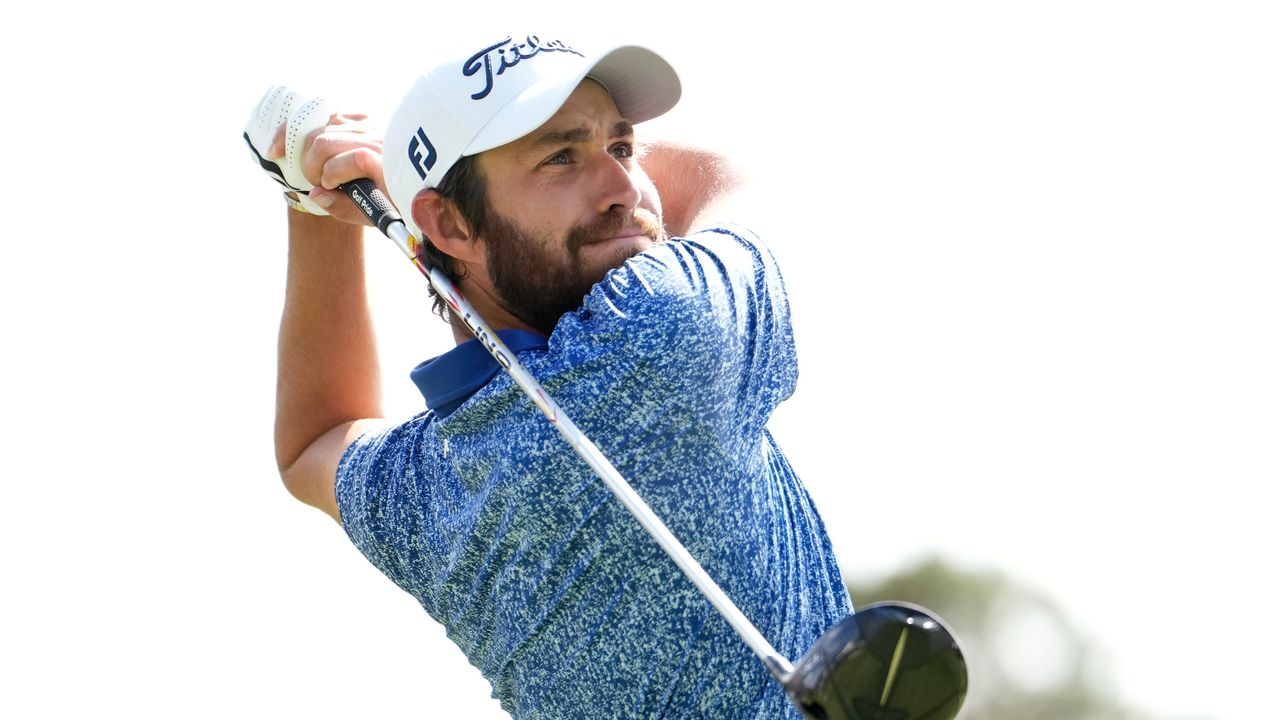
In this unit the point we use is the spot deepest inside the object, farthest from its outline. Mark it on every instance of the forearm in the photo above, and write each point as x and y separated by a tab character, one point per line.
328	367
689	181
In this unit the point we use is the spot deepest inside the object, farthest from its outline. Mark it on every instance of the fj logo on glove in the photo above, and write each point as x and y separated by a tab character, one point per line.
509	54
417	146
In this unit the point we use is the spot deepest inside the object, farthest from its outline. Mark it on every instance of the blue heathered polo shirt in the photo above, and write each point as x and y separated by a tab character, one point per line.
481	511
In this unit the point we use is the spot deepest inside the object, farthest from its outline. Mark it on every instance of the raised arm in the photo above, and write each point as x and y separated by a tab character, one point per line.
695	185
327	374
328	384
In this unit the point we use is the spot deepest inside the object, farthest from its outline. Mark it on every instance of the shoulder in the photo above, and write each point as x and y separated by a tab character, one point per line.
743	253
372	459
380	444
727	240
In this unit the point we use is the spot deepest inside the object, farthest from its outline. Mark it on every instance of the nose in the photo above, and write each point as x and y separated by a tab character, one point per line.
616	185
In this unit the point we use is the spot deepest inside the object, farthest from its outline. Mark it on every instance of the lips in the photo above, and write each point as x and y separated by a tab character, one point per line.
640	224
624	234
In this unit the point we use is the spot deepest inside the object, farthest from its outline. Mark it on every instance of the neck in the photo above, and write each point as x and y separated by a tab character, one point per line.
484	300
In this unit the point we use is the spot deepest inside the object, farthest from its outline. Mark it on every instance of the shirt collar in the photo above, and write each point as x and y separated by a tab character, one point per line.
446	381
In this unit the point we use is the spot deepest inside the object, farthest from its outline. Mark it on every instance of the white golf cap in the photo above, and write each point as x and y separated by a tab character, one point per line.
501	91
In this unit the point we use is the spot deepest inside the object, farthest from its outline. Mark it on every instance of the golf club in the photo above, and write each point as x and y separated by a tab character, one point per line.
888	661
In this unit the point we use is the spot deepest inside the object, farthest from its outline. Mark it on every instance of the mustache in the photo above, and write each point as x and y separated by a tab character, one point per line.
610	224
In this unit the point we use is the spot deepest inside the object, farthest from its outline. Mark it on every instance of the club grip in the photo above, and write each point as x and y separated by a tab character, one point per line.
375	205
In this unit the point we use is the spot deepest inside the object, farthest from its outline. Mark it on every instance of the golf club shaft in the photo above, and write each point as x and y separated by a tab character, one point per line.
379	210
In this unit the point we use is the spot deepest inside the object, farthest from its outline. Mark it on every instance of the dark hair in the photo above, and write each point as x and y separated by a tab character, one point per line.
464	185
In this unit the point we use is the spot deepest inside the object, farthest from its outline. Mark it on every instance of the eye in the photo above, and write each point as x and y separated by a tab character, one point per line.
564	157
623	150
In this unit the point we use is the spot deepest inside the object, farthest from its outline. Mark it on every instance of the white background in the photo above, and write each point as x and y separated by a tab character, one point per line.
1032	252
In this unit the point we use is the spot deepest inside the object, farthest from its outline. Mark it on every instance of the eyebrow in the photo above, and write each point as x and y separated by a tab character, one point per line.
622	128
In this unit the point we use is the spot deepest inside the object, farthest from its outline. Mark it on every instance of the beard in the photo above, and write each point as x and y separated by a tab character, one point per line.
538	284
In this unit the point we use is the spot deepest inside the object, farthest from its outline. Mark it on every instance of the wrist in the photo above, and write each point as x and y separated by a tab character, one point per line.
322	233
291	199
304	203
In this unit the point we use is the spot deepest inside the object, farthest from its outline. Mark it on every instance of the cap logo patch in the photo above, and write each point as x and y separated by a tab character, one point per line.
422	154
508	54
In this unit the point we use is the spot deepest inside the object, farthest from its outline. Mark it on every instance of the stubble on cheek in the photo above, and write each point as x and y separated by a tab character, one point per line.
539	283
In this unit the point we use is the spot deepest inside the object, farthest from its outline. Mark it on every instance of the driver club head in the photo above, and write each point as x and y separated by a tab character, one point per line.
887	661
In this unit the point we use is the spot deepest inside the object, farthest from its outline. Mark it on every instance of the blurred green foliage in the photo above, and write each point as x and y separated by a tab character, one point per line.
1026	660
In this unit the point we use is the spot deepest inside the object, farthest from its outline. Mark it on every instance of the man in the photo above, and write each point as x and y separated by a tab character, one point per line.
517	162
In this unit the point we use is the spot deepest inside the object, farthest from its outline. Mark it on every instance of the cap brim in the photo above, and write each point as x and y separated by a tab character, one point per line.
642	84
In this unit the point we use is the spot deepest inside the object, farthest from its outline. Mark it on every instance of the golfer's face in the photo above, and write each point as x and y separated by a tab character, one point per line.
569	174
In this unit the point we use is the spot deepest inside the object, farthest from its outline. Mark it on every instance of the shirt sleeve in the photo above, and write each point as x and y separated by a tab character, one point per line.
381	500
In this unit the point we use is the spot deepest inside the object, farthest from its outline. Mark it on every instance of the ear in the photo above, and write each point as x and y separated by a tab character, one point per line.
444	226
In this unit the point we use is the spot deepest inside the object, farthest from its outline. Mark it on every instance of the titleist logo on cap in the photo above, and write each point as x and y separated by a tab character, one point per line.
508	54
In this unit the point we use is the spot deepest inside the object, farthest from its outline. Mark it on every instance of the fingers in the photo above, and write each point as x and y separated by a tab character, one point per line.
347	118
275	150
339	206
334	143
345	149
345	167
332	158
354	159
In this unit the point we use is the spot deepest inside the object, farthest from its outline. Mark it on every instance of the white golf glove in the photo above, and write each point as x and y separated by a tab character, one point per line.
300	115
